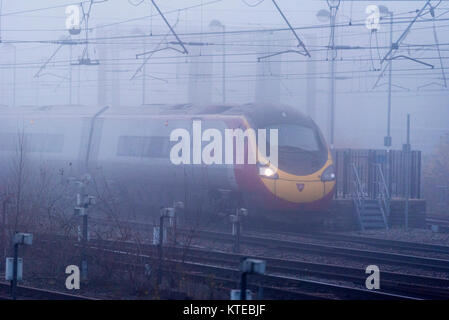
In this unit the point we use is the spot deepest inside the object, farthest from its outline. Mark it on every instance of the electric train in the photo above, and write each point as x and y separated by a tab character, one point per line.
132	149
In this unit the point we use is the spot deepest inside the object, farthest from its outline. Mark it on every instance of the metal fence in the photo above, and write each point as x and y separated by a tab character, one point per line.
366	161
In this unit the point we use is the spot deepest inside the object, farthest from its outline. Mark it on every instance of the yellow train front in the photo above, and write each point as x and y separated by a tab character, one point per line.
303	181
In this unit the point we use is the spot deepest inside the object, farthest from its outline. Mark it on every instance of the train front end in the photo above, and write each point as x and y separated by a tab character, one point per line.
302	182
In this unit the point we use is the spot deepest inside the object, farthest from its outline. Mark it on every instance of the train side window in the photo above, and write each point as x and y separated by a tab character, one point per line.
143	147
32	142
156	148
130	146
41	142
8	142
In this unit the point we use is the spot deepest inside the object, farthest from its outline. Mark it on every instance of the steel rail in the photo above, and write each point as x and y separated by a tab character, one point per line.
31	293
421	287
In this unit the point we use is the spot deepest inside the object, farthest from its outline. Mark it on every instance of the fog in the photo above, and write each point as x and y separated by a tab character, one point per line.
224	149
222	63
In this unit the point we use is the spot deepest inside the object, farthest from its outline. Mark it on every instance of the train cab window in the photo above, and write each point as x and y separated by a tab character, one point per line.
143	147
292	136
301	150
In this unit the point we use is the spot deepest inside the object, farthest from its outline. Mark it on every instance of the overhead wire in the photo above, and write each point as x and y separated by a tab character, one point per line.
98	40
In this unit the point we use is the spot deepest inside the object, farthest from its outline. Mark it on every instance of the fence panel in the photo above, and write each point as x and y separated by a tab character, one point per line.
364	159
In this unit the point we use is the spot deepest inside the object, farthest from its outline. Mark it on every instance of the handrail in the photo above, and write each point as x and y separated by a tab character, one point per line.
359	195
91	133
384	194
358	183
383	182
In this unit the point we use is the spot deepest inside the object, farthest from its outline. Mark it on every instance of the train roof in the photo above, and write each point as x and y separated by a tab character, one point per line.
259	113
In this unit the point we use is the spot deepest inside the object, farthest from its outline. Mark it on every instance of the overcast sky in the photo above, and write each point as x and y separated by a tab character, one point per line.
29	25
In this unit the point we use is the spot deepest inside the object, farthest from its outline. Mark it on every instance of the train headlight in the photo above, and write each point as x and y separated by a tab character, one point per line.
268	172
328	174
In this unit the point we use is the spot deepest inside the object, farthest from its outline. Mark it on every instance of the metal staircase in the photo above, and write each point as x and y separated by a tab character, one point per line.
371	213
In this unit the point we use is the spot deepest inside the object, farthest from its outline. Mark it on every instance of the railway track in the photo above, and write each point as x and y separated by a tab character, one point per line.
391	283
363	255
201	263
373	242
280	286
30	293
332	237
439	220
223	278
286	276
367	256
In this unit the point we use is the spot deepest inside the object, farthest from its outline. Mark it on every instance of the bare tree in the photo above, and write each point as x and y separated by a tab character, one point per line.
436	177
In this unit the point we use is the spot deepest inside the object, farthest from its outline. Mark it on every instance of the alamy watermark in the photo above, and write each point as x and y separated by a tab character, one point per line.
190	150
73	17
373	280
373	19
73	280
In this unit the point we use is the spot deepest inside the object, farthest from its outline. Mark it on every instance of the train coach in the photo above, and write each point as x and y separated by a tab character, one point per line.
133	148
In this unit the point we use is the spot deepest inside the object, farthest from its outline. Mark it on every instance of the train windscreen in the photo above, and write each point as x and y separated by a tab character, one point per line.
300	148
296	137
